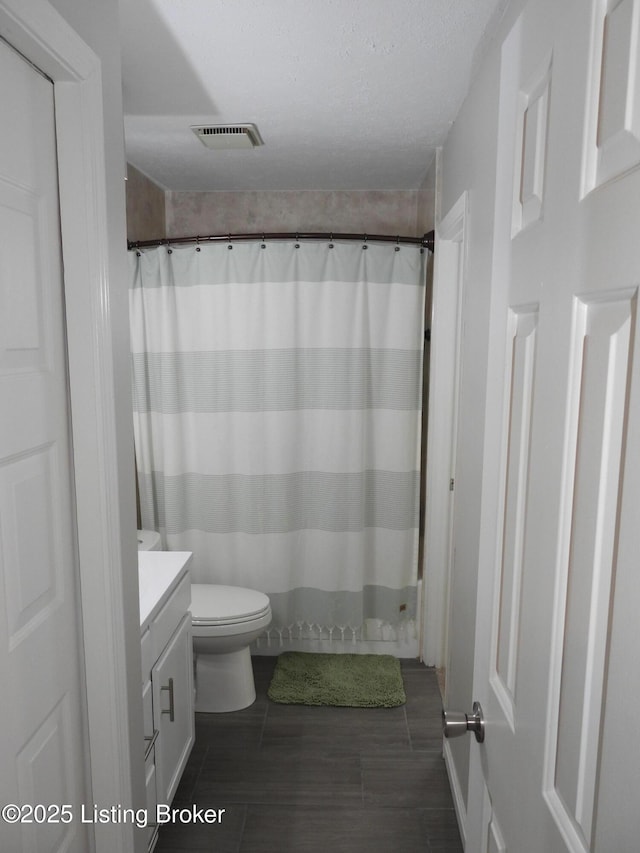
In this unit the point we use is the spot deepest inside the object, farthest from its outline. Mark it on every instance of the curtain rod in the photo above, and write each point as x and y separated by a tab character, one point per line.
426	241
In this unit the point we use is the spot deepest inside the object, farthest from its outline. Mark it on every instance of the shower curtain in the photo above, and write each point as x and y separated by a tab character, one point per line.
277	397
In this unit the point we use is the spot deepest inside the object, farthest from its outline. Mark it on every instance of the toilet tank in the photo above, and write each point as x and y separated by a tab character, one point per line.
149	540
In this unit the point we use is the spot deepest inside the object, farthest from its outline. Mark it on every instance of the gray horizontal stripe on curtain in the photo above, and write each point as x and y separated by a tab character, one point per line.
282	503
277	380
343	607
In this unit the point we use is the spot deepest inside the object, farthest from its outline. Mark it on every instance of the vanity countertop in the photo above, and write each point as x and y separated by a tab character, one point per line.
158	571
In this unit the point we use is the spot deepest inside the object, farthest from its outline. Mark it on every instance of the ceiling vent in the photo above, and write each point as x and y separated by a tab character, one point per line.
220	136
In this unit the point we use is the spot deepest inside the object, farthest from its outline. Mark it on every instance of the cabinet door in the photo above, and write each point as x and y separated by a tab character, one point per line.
172	680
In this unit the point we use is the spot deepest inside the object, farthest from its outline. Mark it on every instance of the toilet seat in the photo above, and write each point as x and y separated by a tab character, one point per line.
216	605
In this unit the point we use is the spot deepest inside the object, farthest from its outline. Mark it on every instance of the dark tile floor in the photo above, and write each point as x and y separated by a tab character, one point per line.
314	780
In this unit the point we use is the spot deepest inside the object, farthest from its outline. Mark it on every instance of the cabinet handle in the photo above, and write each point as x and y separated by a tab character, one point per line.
171	711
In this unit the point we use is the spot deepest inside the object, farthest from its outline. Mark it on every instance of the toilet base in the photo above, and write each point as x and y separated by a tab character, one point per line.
224	682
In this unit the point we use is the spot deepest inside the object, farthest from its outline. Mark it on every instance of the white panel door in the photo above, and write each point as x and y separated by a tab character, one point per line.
560	684
42	730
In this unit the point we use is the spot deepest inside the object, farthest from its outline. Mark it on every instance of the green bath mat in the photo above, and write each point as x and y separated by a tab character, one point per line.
342	680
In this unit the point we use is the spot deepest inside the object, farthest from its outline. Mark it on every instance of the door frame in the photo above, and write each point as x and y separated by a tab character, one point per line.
444	382
106	577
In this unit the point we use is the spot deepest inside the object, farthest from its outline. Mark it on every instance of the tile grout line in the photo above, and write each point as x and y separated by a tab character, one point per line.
264	725
406	722
243	827
197	775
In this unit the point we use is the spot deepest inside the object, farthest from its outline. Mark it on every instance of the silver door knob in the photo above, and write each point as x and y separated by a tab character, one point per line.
456	723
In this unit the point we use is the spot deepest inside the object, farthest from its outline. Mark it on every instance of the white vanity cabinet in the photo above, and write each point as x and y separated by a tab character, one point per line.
167	673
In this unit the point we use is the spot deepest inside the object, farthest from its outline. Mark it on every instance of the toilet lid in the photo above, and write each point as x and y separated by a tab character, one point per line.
212	604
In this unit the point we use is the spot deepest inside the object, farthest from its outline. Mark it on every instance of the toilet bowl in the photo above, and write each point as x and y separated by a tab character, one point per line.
226	620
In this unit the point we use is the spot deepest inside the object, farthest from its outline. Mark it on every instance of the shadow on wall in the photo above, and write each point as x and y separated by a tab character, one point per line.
147	41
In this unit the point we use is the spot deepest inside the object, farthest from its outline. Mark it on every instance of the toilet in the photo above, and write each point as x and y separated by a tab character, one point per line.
225	620
149	540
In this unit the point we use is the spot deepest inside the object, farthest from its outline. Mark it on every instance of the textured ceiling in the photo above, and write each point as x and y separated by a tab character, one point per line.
347	94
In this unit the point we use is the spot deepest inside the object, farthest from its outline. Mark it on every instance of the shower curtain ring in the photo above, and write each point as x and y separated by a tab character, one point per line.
398	243
197	243
365	242
230	245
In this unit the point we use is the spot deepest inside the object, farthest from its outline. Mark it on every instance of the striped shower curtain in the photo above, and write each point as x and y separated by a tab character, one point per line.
277	396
